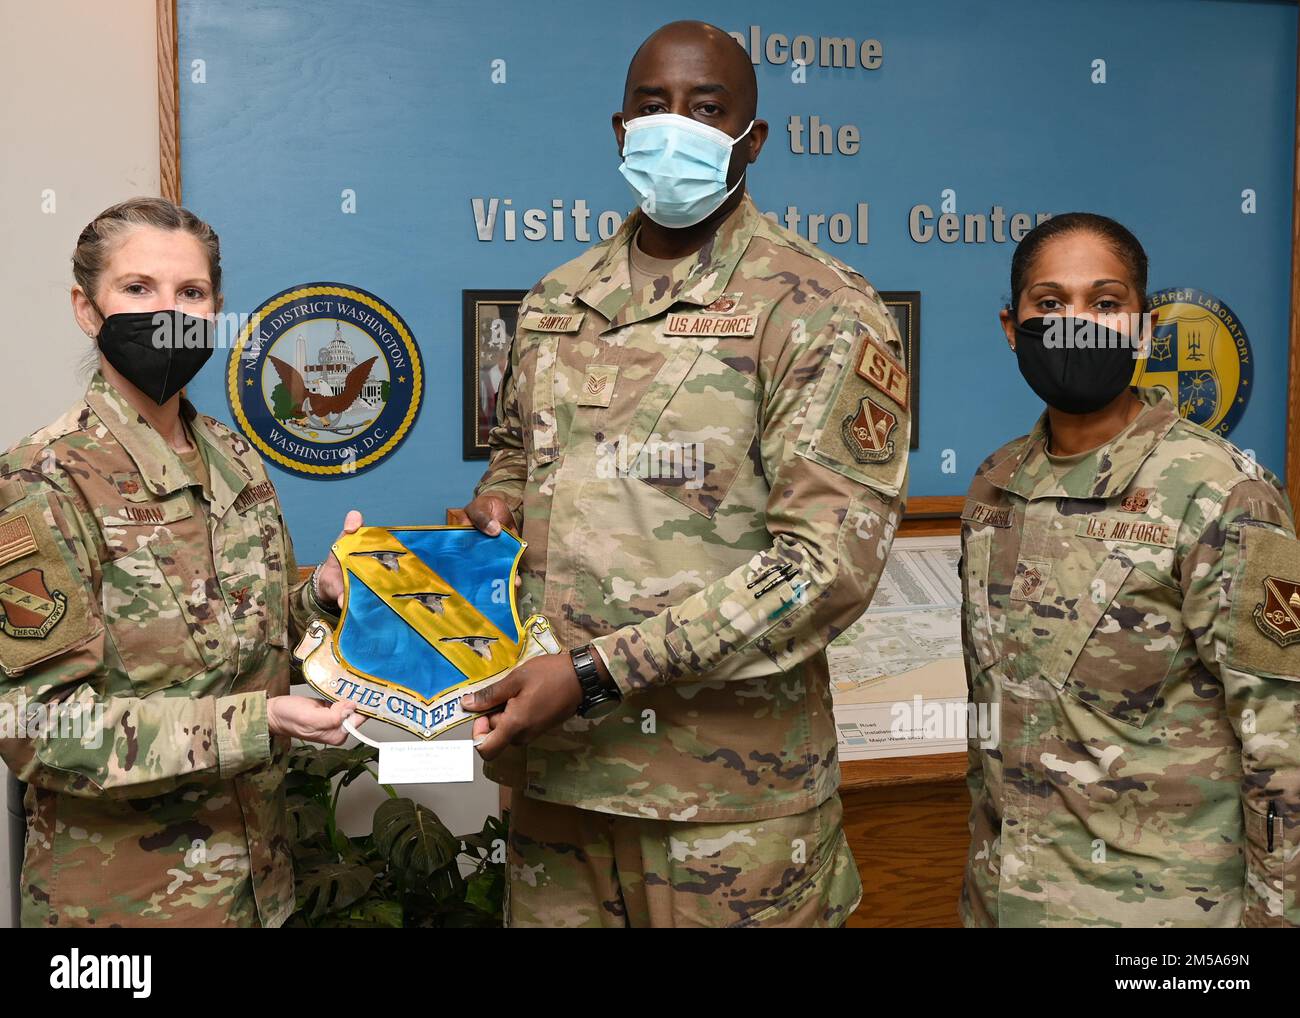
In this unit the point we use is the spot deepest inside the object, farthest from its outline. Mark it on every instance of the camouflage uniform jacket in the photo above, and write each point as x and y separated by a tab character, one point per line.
1147	771
709	474
164	612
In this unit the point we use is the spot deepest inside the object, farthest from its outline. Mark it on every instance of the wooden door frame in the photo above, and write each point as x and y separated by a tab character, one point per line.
169	105
1293	378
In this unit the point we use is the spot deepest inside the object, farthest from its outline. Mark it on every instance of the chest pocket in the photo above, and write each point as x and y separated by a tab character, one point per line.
1116	649
976	552
535	387
159	616
254	579
691	433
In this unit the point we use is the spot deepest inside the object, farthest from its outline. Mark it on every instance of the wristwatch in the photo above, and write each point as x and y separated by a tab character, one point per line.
598	696
318	602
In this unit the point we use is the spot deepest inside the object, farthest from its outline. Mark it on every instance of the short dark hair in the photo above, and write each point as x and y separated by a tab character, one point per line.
1115	234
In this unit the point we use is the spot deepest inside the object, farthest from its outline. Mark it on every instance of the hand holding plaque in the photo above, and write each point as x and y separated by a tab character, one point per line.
428	615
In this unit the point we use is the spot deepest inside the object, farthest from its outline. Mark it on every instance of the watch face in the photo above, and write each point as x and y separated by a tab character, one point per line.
602	707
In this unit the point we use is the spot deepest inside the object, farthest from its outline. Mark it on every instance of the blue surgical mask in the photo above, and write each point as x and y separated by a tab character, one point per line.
677	167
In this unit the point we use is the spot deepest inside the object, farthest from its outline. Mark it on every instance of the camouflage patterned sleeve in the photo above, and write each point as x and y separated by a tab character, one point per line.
303	606
301	603
97	743
507	470
833	438
974	754
1240	579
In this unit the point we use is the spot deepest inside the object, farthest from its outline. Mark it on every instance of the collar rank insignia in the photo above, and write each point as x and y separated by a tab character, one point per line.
1137	502
725	304
428	615
866	433
1278	616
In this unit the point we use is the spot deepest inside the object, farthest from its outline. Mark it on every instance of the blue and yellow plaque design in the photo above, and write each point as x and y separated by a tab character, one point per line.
428	615
325	380
1201	356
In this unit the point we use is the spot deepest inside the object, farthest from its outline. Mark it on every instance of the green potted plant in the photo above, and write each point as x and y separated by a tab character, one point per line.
406	872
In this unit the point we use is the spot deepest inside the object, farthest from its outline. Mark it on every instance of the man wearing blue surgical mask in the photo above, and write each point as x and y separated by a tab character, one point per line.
702	436
685	148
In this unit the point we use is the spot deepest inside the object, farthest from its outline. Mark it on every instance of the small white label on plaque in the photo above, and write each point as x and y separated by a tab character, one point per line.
417	763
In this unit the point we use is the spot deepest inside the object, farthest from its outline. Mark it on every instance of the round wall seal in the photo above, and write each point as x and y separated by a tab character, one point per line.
325	380
1201	356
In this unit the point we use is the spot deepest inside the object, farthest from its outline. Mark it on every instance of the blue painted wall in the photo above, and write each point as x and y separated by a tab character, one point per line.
304	98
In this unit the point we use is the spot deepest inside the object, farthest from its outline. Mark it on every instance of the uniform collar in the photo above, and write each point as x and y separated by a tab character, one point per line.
1103	473
226	474
700	279
159	466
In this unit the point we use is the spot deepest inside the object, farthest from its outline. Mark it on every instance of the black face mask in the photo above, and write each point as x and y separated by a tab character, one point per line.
158	352
1073	378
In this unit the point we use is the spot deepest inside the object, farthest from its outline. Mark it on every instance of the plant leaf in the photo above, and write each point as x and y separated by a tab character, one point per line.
332	887
485	890
332	760
382	913
412	838
307	820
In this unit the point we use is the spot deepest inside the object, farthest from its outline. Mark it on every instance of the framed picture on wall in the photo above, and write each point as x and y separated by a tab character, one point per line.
906	308
488	320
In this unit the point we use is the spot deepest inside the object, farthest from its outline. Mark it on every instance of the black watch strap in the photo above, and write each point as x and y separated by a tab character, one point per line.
595	691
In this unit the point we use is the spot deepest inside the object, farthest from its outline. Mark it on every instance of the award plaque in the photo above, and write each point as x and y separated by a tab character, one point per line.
428	615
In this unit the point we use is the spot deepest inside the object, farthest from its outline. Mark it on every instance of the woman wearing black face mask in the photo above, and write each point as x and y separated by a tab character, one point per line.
1126	628
148	600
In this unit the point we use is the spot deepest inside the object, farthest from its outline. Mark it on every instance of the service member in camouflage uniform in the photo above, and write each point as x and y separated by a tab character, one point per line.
1131	614
702	436
149	591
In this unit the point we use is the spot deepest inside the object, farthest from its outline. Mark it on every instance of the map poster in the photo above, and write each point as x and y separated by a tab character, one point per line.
897	678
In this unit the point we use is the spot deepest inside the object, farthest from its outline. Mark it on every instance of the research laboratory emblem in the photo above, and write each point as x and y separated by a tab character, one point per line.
1278	615
866	433
428	615
1201	356
325	380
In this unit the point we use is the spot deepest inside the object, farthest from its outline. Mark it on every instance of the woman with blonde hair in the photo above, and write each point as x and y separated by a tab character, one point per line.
148	599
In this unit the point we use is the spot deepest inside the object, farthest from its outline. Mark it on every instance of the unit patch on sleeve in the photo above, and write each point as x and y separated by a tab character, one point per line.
857	422
1264	624
43	605
1278	615
878	368
867	434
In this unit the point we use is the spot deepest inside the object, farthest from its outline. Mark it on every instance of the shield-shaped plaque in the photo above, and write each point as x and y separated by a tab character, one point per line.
428	615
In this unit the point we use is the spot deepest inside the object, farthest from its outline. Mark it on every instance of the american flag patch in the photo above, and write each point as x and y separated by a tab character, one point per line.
16	539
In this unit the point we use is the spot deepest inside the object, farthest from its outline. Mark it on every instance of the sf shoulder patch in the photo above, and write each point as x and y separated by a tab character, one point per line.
857	422
1264	633
43	606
